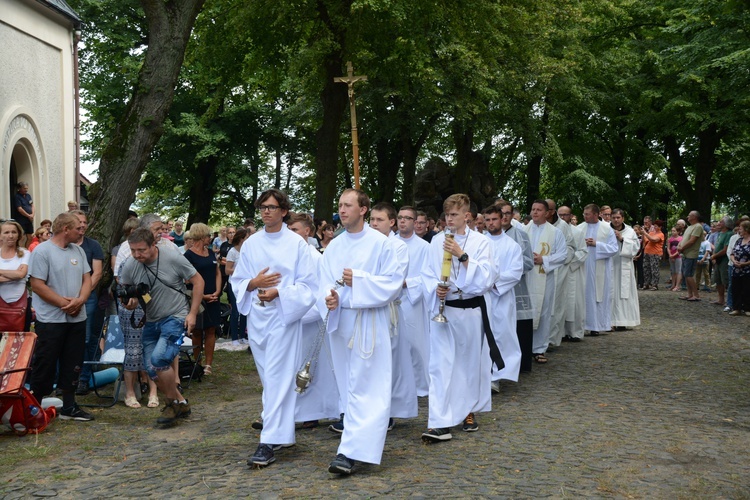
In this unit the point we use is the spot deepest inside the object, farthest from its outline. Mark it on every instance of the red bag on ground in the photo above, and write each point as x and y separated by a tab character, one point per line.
25	414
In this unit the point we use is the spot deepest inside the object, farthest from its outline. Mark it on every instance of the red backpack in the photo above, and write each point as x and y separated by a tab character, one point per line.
25	414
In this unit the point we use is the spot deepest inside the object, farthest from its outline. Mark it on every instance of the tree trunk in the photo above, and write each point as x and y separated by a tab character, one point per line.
535	148
277	183
126	155
203	191
327	138
388	154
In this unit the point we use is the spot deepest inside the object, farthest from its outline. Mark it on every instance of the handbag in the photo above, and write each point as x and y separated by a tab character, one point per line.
189	295
13	315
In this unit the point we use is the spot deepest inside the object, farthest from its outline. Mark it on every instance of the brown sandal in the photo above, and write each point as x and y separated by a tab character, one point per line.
540	358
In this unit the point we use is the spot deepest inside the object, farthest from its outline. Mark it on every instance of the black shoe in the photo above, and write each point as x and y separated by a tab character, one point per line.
258	424
337	426
575	339
75	413
82	389
470	424
263	456
391	423
341	465
566	338
436	435
594	334
144	389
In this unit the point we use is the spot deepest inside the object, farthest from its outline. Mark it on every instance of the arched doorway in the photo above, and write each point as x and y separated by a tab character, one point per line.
21	169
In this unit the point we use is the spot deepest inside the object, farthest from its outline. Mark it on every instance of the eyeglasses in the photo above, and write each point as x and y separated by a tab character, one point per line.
404	217
268	208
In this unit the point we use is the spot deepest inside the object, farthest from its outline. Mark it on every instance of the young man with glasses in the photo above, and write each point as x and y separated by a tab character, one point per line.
275	284
415	323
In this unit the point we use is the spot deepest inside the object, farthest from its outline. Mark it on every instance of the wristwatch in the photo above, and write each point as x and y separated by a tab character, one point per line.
463	258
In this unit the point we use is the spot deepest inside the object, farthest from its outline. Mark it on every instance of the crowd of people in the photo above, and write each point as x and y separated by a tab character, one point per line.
354	320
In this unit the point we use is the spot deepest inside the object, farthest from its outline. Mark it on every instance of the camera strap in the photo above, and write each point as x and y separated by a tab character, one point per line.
157	278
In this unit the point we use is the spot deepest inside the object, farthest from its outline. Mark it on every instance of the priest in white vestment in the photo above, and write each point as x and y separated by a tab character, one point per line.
576	291
524	305
414	321
602	245
403	386
625	308
274	281
358	328
562	276
550	252
321	398
501	298
459	367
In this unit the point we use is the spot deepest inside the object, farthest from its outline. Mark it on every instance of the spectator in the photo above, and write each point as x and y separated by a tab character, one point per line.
169	316
237	321
133	366
328	230
653	238
61	282
675	260
740	257
23	212
721	262
223	251
95	259
14	266
218	240
638	257
72	205
206	263
40	236
704	257
689	247
730	248
177	234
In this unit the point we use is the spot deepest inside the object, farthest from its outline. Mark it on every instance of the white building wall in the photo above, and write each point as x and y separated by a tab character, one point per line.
37	115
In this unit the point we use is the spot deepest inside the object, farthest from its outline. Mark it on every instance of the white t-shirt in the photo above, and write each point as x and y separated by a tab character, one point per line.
11	291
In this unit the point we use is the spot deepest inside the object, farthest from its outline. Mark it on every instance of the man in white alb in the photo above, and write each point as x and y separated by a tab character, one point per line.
358	328
274	282
459	367
414	322
602	246
507	263
550	252
625	307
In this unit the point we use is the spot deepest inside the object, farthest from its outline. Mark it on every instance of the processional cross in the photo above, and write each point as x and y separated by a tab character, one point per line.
350	80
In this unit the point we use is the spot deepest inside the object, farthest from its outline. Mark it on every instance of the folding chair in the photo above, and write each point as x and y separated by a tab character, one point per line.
16	349
112	356
186	355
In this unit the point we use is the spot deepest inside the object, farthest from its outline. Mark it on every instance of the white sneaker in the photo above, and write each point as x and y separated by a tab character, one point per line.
727	309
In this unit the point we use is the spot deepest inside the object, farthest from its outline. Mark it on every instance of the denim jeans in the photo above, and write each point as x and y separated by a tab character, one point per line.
161	343
237	321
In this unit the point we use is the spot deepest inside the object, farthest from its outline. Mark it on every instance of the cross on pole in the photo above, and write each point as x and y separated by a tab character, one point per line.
350	80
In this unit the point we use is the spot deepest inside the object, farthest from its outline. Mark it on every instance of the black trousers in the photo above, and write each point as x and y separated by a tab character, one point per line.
61	343
740	292
525	333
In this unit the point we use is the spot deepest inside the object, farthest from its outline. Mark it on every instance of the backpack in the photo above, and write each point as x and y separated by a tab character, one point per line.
186	370
25	415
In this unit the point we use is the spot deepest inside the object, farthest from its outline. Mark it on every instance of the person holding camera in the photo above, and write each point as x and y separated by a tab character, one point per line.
156	279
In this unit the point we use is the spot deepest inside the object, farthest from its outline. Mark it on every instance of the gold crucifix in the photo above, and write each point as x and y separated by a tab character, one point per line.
350	80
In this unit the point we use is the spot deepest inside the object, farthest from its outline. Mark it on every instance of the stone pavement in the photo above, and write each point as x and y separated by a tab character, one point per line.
659	412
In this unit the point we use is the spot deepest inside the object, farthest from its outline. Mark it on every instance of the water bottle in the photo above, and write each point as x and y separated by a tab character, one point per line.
179	340
37	420
34	410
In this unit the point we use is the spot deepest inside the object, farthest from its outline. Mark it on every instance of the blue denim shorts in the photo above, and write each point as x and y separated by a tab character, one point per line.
161	343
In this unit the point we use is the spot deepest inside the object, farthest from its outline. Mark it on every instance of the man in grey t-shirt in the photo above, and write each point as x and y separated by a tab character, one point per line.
167	314
61	284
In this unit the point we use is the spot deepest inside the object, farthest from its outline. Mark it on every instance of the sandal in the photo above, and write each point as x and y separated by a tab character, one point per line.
540	358
153	401
207	370
131	402
694	299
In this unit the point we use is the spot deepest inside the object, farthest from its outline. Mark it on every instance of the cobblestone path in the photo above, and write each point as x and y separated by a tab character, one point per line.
659	412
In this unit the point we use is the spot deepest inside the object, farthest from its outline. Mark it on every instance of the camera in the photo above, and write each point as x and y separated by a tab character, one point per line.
132	291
